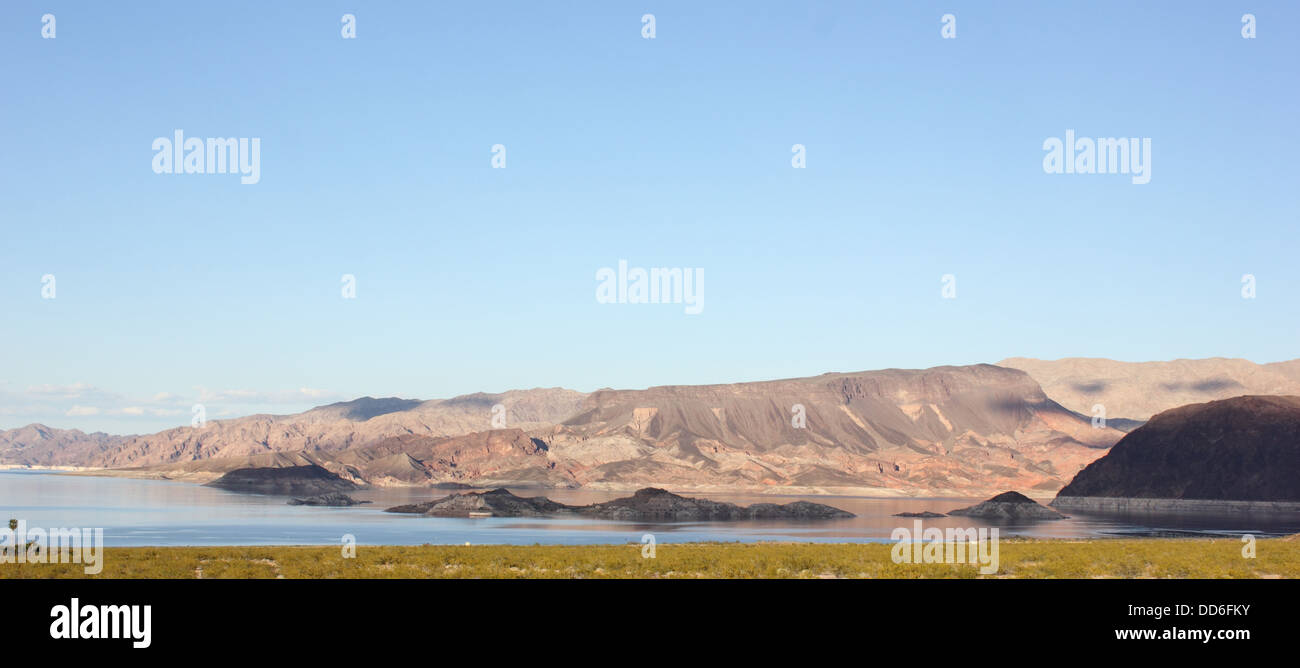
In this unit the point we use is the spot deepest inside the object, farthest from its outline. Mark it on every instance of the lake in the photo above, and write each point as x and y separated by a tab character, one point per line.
158	512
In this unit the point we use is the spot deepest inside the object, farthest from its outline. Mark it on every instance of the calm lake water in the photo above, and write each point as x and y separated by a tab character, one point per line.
155	512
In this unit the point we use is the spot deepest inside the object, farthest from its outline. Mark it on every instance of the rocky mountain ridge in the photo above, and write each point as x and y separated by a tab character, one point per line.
945	431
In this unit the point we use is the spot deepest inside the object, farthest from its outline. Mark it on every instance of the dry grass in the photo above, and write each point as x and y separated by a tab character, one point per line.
1019	558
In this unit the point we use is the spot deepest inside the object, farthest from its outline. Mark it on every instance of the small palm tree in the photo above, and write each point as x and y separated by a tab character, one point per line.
13	525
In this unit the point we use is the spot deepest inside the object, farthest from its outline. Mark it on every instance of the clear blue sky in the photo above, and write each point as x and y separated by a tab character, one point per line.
924	158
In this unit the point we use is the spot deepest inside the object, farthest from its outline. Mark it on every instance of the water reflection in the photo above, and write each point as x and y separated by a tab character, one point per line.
153	512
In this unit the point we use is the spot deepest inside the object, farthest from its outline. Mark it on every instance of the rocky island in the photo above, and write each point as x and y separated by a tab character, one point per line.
331	499
646	505
300	481
1009	506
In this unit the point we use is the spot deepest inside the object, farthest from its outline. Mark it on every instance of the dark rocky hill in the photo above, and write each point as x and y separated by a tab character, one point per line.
1240	449
652	504
1011	506
308	480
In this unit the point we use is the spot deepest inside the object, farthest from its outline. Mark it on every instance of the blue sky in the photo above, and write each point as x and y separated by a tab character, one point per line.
924	158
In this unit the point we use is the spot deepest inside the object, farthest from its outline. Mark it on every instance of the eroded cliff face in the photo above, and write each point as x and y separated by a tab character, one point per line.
947	430
1240	449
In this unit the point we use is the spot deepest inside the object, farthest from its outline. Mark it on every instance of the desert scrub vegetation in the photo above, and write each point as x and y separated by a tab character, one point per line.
1018	558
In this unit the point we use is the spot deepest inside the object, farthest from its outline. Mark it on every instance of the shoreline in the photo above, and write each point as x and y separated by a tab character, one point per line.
61	469
1115	504
201	477
1136	505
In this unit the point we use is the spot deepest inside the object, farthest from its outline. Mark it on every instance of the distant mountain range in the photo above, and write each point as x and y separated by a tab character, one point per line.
1134	391
39	445
328	428
945	431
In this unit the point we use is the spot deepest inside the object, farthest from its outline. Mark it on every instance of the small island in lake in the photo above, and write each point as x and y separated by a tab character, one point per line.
331	499
1010	506
298	481
648	504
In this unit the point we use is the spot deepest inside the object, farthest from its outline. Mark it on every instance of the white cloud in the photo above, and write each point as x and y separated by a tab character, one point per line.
74	391
270	398
86	406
